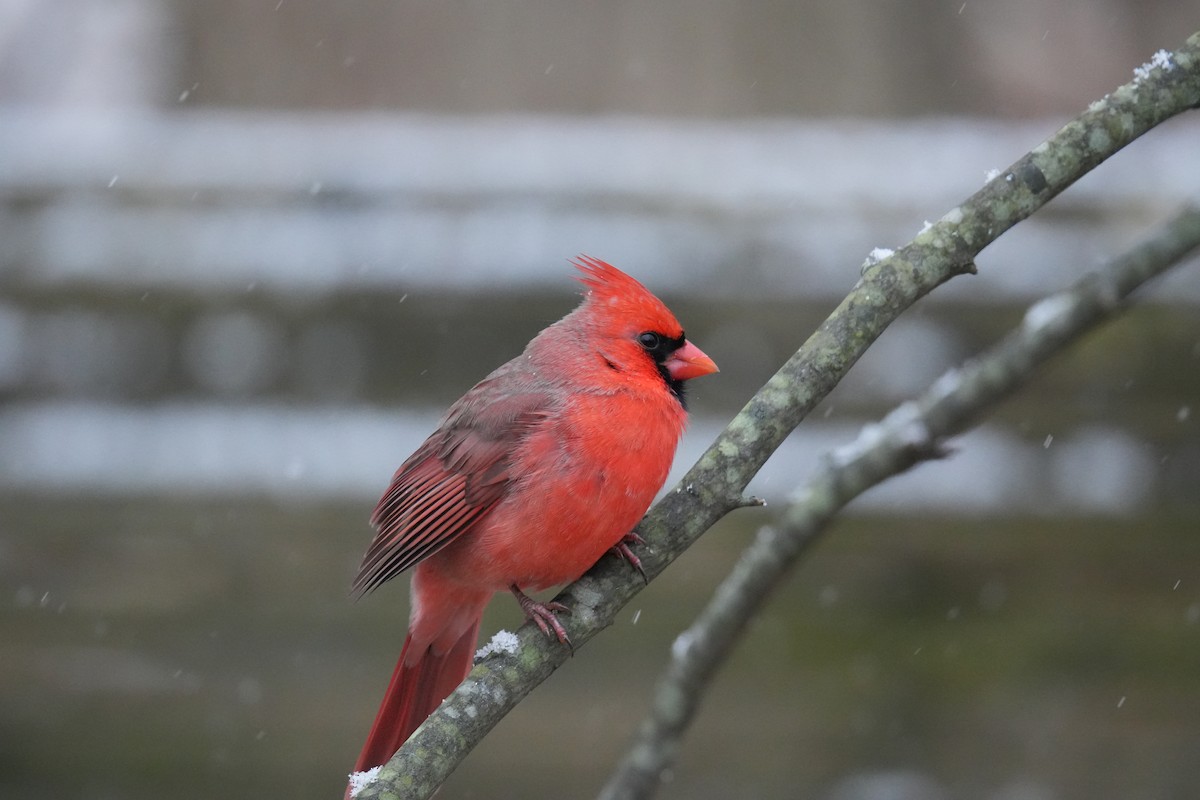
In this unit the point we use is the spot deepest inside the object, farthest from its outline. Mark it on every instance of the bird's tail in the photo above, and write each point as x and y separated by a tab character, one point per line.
415	690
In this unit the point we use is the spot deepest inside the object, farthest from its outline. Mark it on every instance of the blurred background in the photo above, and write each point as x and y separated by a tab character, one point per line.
250	250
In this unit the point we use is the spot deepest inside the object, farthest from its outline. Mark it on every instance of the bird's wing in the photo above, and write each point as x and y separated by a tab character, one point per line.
453	480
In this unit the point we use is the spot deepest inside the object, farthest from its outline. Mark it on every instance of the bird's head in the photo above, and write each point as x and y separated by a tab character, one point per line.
632	332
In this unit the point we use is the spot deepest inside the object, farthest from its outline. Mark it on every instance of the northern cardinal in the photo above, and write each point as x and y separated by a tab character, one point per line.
532	476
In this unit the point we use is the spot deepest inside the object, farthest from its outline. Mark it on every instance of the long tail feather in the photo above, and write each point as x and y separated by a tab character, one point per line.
413	694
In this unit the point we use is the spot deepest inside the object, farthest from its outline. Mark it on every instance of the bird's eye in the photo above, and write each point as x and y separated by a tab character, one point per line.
649	340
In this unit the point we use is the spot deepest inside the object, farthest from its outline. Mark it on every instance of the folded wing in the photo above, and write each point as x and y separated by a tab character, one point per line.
453	480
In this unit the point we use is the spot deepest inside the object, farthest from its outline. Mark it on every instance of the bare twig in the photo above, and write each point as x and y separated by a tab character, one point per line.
704	495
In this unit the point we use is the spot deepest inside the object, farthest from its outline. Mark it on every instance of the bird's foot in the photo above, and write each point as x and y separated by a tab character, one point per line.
622	550
542	614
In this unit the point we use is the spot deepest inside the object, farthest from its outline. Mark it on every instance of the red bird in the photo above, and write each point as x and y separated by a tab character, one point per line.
532	476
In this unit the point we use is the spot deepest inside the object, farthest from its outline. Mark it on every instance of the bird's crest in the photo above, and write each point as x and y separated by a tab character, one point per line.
604	280
609	287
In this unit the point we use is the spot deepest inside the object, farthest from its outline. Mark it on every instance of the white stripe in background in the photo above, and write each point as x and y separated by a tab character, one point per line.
350	452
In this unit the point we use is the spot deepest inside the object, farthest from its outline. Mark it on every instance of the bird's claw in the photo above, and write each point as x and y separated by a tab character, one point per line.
543	615
622	550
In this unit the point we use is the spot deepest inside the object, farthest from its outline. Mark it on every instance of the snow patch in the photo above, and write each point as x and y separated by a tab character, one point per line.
871	435
903	425
502	643
682	645
906	422
877	255
1160	60
947	384
1047	311
361	780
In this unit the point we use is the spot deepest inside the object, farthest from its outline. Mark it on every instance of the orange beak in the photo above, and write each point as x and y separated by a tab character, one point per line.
689	362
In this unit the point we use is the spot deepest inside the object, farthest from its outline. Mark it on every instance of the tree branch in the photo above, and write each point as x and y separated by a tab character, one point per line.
716	482
911	433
